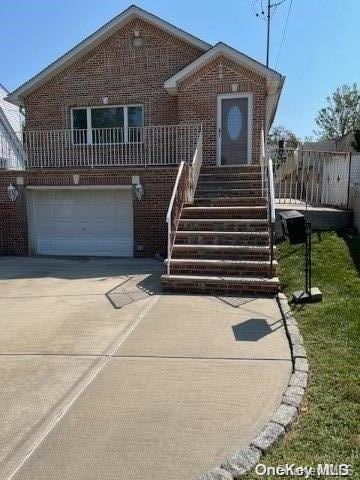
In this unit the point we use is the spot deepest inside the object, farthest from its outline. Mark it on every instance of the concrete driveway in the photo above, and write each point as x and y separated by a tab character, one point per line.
102	377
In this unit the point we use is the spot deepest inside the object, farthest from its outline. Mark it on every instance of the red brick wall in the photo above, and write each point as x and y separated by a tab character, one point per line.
124	74
197	101
117	70
150	229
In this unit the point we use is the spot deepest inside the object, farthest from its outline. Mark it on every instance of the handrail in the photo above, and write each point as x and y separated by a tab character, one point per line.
271	192
177	181
262	159
183	192
271	212
169	214
195	168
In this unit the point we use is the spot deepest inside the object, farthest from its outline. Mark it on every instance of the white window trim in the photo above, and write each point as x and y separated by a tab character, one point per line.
249	96
89	126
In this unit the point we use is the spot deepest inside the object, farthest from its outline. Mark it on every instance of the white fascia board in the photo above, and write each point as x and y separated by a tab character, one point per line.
96	38
273	93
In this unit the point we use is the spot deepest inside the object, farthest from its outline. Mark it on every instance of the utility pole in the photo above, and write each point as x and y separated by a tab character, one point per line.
268	19
268	32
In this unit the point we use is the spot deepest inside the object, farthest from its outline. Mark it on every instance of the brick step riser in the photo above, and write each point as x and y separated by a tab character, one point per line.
245	177
213	184
231	170
234	201
200	194
228	214
223	227
220	240
243	271
215	289
219	255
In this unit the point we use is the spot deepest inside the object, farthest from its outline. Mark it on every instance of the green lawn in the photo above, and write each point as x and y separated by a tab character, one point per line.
328	430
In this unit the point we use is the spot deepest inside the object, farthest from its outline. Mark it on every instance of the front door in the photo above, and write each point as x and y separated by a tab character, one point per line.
234	129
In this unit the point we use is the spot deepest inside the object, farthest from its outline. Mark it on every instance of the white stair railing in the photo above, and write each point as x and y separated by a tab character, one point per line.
262	159
183	192
271	211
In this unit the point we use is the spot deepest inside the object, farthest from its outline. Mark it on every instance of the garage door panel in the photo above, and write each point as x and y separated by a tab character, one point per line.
82	222
89	246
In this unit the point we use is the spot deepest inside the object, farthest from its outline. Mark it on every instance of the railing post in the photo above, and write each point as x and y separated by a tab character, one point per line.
169	246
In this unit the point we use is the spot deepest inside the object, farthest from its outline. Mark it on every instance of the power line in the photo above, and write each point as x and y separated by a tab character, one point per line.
267	16
284	33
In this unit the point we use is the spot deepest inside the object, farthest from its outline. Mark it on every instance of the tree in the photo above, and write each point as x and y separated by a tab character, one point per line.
341	115
282	133
356	142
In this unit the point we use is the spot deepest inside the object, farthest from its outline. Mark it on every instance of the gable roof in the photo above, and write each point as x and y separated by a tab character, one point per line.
95	39
274	80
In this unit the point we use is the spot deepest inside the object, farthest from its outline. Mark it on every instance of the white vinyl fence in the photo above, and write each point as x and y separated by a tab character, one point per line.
312	177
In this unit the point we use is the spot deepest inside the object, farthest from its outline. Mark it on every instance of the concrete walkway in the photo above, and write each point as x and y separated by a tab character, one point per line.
101	377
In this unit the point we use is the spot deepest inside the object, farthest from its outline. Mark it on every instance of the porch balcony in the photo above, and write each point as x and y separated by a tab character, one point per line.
105	147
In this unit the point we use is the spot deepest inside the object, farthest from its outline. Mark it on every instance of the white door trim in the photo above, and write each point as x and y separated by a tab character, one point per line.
247	95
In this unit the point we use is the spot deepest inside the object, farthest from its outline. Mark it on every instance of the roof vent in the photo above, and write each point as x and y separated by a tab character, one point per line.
138	40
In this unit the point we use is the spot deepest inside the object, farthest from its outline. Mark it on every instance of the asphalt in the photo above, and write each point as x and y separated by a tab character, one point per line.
103	377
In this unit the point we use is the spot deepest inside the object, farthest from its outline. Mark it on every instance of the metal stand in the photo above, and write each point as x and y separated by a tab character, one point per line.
310	294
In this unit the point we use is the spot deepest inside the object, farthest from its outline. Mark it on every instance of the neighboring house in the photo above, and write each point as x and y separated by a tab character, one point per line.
116	115
340	144
11	154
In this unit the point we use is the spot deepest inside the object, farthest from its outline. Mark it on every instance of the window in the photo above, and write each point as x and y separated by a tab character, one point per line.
107	125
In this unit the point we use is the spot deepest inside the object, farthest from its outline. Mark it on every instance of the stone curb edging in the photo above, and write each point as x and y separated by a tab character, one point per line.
235	466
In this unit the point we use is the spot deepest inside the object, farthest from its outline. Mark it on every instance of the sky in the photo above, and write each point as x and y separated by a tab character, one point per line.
320	50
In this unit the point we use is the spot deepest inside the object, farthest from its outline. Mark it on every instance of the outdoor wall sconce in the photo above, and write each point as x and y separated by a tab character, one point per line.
105	100
138	189
12	192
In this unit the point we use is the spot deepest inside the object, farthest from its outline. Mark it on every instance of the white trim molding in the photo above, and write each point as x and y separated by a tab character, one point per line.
220	98
17	96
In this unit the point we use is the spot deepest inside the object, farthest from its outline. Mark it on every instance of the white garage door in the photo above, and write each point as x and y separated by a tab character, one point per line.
81	222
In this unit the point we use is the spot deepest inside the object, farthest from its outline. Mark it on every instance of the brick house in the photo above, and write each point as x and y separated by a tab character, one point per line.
113	124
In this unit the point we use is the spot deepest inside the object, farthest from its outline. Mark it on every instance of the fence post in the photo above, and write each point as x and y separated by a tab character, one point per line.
349	182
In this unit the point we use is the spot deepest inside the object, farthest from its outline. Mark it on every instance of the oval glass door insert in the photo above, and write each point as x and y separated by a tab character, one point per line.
234	122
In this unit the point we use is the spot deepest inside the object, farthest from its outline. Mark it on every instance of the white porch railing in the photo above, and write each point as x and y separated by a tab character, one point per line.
311	177
183	192
262	159
269	169
106	147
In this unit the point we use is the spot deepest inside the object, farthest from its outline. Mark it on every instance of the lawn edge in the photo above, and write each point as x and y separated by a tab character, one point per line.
239	464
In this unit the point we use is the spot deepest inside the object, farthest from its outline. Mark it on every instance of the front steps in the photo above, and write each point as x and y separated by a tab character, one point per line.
222	243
